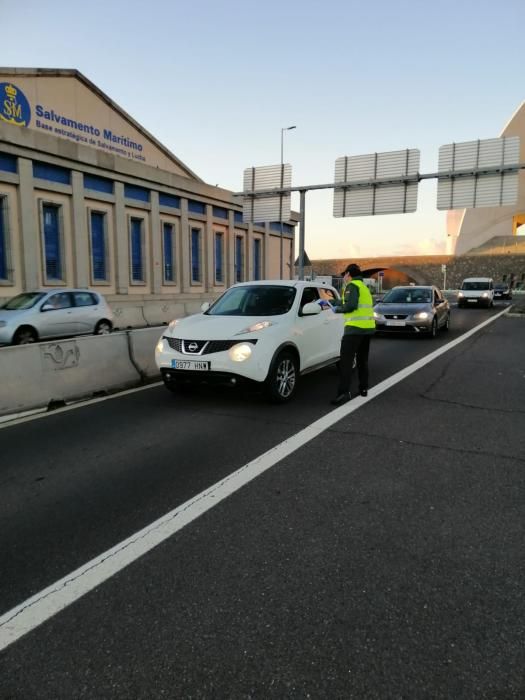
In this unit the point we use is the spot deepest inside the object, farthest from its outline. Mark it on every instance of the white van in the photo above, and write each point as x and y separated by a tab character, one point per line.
477	291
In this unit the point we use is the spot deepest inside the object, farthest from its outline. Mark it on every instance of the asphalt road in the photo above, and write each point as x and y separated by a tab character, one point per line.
383	559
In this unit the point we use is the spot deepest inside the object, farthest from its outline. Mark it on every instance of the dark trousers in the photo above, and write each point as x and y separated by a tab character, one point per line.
352	346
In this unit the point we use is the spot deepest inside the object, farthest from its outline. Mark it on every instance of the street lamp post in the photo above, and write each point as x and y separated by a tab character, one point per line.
284	128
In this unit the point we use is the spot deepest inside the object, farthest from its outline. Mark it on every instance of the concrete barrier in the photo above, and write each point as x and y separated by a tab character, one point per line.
33	376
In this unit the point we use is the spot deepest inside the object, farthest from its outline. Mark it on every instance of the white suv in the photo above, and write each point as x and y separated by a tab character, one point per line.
267	332
476	291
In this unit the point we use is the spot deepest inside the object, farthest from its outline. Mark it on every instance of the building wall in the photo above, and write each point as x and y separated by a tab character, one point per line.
209	209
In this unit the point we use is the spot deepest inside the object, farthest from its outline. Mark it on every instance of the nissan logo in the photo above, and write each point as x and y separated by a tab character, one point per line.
193	347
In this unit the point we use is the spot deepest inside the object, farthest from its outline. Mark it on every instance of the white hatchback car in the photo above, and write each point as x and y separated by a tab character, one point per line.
267	332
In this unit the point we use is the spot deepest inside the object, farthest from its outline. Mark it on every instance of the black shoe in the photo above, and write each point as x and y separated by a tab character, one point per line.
340	399
363	392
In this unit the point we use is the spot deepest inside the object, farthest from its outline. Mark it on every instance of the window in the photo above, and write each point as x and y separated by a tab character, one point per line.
4	240
8	162
85	299
54	173
99	184
195	254
219	257
137	250
59	301
135	192
168	243
98	246
169	200
256	258
239	258
220	212
238	217
196	207
52	241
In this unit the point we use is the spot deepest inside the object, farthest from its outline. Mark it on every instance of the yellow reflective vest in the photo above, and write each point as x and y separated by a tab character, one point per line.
363	316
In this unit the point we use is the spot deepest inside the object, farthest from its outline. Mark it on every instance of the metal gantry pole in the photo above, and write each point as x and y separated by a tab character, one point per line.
302	201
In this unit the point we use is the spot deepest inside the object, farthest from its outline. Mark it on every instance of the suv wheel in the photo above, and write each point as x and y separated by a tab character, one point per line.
282	378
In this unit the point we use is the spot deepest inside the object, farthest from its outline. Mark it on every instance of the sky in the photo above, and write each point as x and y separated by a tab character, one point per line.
216	80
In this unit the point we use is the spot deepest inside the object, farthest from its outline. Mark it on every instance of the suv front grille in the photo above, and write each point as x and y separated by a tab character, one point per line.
202	347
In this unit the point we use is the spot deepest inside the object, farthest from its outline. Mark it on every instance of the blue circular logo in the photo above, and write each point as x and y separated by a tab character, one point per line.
14	106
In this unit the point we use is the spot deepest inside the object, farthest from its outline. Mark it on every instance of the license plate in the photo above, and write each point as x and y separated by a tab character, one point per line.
199	365
395	323
472	301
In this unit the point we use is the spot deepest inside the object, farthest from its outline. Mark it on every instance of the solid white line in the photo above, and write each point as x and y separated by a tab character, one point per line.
44	413
35	610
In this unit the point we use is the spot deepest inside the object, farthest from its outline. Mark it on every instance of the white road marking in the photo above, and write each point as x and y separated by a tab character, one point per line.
5	421
41	607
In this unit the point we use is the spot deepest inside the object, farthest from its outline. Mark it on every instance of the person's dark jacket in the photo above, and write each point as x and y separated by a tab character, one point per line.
351	304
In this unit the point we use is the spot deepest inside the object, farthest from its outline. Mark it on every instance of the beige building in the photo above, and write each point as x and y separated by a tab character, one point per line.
89	198
470	228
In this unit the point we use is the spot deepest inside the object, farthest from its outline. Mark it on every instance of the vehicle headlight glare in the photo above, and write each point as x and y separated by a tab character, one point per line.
421	315
460	294
377	315
240	352
485	294
259	326
160	345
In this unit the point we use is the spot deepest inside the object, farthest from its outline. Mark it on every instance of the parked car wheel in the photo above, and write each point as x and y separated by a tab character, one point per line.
103	327
282	378
25	335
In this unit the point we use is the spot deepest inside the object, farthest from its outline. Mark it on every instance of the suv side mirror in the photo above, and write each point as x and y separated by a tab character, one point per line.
311	309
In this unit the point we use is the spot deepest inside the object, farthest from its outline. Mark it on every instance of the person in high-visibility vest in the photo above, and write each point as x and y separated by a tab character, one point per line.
357	306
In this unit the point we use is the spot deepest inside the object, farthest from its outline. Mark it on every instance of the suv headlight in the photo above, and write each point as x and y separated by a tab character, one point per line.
485	295
460	294
377	315
422	315
259	326
240	352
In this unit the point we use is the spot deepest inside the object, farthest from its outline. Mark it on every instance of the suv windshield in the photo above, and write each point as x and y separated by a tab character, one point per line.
476	286
254	301
23	301
408	295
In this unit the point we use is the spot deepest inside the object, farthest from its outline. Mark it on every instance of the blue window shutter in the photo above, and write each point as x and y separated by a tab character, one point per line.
169	272
8	162
52	242
138	193
98	245
54	173
257	259
195	255
3	239
220	213
219	238
196	207
137	273
99	184
169	200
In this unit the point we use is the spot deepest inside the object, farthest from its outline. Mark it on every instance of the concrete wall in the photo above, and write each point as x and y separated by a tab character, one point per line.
33	376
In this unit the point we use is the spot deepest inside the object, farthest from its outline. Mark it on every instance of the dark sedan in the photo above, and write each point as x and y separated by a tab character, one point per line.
502	291
413	309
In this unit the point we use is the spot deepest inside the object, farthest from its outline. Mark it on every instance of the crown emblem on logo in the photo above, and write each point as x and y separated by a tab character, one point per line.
11	91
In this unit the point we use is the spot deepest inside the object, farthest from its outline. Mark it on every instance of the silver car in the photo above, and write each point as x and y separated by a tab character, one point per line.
413	310
53	313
